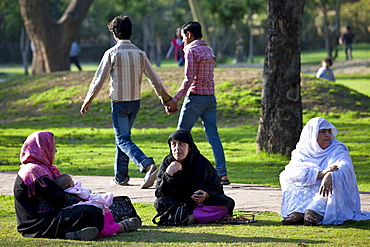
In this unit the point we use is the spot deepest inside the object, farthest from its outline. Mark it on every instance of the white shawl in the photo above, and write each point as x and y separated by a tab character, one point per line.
300	185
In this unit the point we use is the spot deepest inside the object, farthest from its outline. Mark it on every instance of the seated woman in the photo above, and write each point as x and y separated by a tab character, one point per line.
319	184
41	205
187	176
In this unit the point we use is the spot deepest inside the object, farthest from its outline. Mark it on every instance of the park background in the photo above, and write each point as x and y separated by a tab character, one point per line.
86	145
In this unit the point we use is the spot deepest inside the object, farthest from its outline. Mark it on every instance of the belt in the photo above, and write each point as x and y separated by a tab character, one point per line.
194	94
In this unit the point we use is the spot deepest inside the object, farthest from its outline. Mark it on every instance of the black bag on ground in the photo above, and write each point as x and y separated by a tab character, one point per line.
171	212
122	208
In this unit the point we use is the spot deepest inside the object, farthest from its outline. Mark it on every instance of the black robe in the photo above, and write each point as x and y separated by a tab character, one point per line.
197	174
42	216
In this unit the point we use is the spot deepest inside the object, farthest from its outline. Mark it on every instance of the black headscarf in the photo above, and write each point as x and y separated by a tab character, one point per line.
197	174
182	135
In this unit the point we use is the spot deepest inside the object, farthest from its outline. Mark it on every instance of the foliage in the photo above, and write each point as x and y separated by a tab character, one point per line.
267	231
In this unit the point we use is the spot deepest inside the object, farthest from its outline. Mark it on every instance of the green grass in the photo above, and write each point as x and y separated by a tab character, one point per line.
267	231
360	51
360	83
86	147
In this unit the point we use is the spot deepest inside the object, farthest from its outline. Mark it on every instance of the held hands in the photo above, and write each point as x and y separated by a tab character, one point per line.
199	196
174	167
326	187
170	107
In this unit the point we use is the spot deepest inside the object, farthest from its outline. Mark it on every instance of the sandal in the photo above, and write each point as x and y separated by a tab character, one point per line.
129	225
237	219
311	218
294	218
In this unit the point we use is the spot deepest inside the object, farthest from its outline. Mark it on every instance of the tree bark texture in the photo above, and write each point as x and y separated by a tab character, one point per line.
281	111
52	40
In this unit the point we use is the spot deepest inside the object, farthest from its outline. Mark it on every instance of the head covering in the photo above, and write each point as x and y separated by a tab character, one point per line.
183	135
308	148
37	157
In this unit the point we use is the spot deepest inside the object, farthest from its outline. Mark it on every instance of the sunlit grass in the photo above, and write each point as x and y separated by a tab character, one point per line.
360	83
267	231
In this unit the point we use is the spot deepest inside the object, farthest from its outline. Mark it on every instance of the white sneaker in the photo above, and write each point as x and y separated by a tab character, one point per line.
150	177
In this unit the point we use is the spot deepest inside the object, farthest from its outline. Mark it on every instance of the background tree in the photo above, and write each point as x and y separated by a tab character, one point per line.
52	39
281	117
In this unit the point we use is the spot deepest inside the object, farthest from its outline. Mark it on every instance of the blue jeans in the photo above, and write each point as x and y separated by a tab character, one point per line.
205	108
123	118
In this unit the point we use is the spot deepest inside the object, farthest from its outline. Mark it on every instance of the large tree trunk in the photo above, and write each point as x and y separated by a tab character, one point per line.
52	40
281	116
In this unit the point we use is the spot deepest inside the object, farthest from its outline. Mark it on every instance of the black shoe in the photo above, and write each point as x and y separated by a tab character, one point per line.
87	233
224	181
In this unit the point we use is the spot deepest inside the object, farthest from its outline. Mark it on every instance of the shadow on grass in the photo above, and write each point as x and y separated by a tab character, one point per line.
147	235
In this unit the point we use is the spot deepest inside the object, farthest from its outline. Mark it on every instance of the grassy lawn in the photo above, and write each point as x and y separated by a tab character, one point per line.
86	147
267	231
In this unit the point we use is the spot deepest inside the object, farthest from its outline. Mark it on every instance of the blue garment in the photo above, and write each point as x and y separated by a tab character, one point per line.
123	117
205	108
325	74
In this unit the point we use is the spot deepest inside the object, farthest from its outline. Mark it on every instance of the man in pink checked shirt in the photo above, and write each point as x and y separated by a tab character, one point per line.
198	90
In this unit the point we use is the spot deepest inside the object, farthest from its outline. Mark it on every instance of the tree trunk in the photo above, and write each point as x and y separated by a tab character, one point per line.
25	49
197	16
328	47
250	27
336	34
281	113
52	40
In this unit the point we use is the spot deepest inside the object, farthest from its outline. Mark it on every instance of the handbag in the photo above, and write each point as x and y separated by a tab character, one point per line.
175	215
122	208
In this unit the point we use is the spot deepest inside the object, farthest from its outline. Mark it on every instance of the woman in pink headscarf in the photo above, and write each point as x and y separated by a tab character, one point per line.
39	201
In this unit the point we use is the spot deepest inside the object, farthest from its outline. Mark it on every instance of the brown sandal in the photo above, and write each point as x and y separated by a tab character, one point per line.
294	218
311	218
237	219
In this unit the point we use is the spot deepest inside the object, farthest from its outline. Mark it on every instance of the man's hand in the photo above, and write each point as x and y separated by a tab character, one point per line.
326	187
84	109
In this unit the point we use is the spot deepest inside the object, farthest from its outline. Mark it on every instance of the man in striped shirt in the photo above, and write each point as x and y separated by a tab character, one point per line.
198	90
125	64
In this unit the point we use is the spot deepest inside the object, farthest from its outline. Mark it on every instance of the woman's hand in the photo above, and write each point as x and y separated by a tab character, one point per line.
324	172
326	187
199	196
174	167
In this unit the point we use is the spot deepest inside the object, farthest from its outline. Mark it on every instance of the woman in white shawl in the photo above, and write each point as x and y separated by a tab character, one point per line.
319	183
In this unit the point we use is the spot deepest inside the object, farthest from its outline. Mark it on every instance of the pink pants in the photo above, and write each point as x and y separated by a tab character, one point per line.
204	213
110	227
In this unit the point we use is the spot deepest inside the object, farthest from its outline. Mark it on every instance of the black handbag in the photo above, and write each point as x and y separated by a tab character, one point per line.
122	208
171	212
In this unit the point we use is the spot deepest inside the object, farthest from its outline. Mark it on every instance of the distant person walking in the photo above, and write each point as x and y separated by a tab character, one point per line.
178	47
325	72
126	64
198	90
73	55
239	50
347	39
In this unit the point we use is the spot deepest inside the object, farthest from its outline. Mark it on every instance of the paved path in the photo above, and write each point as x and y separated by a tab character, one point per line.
247	197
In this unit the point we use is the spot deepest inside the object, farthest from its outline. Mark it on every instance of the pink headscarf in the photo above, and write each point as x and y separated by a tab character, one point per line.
37	157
